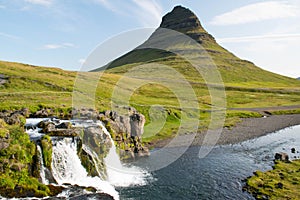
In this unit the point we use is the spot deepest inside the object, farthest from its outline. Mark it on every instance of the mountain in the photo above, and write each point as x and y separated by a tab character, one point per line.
298	78
234	70
246	85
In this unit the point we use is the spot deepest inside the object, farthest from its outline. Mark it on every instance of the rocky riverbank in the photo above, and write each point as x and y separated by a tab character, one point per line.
248	128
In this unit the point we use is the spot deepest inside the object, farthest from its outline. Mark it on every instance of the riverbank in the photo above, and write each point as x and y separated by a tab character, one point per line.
280	183
248	128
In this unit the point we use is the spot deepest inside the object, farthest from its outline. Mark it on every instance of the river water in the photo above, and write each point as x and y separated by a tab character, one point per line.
220	175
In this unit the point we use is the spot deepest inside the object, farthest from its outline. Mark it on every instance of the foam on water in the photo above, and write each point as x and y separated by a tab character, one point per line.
67	168
42	167
120	175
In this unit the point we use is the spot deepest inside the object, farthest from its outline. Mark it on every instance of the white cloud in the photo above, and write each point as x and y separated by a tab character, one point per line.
109	5
59	46
257	12
9	36
106	4
277	37
40	2
148	12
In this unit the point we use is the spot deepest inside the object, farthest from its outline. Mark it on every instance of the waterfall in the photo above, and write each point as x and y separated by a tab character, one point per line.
95	159
42	166
118	174
67	168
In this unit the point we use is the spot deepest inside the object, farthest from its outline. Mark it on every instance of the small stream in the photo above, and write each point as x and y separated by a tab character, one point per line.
218	176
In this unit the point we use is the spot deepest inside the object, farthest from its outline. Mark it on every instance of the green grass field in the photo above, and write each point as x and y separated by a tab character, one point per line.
39	87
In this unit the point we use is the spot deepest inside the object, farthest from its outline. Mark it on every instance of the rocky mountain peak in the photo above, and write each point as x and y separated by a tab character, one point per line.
183	20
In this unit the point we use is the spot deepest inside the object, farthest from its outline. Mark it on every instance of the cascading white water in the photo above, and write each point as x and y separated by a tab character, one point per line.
42	166
118	174
95	158
67	168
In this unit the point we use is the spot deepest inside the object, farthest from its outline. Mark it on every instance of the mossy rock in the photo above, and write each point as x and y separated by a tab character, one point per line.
4	133
47	150
280	183
16	162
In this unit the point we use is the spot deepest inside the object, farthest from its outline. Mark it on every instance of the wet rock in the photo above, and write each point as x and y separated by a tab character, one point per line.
87	163
64	125
293	150
98	196
47	126
63	133
282	157
55	190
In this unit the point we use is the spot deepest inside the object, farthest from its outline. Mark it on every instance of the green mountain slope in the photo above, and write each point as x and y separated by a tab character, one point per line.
234	71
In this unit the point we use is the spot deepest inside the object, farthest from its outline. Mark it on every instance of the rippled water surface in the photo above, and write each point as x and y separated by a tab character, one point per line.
220	175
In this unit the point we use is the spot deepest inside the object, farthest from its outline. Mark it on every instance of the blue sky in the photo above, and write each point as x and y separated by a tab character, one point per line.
62	33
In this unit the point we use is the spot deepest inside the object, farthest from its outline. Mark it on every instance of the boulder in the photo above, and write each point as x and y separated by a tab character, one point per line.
84	114
47	126
282	157
64	125
13	119
63	133
41	114
293	150
137	122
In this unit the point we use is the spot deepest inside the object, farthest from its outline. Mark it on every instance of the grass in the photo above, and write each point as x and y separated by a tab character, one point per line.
39	87
286	112
15	160
282	182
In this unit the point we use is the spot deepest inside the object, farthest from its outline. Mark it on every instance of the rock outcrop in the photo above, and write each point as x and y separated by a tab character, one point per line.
126	130
185	21
282	156
3	79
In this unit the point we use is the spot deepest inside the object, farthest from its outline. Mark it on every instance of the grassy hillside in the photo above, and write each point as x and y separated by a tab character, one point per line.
181	33
39	87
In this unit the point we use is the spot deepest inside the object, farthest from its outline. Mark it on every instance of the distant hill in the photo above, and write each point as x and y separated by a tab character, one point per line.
234	70
298	78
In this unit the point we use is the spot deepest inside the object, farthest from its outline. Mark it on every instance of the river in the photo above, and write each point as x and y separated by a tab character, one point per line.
220	175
